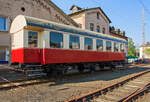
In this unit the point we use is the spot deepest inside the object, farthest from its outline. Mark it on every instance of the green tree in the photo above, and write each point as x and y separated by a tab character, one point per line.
147	51
131	48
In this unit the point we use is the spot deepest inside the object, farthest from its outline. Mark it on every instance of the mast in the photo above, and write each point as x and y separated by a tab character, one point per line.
143	34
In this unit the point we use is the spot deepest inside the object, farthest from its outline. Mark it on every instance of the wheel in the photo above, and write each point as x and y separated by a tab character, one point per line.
81	68
92	68
113	67
20	65
101	67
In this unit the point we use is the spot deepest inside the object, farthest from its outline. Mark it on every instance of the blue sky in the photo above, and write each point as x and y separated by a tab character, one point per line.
124	14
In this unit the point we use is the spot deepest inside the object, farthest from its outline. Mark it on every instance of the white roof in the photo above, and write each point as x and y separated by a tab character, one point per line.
22	21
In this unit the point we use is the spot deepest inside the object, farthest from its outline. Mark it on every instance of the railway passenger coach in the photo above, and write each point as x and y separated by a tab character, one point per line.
49	44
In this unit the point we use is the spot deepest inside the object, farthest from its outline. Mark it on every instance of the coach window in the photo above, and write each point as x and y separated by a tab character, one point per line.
88	44
121	47
32	39
56	40
108	46
74	42
116	47
99	45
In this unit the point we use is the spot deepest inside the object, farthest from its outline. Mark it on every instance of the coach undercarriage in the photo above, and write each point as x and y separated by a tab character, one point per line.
59	70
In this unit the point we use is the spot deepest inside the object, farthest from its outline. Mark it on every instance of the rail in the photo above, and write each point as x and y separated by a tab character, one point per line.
96	93
136	94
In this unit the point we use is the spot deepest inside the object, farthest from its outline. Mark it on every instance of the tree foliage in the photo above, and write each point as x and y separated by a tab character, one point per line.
147	51
131	48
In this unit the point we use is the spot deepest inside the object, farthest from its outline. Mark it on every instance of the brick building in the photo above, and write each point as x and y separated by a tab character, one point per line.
93	19
43	9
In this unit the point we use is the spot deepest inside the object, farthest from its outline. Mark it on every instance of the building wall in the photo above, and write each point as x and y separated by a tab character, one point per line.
36	8
141	53
91	17
80	19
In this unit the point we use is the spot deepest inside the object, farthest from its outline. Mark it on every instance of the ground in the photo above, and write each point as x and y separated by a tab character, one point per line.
63	90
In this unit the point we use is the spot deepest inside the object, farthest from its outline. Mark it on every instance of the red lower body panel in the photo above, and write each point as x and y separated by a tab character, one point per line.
48	56
25	55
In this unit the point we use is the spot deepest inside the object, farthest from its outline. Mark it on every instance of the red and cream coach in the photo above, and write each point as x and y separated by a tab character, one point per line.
56	46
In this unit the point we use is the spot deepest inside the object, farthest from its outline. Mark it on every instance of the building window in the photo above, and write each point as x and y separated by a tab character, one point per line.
103	30
32	39
3	24
121	47
97	15
74	42
99	45
108	46
88	44
98	29
91	27
56	40
116	47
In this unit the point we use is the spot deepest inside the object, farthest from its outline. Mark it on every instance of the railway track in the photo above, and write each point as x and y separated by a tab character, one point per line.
121	91
21	83
137	94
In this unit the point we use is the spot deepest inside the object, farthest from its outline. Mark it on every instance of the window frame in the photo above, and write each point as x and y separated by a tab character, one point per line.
33	32
98	28
88	45
55	32
98	17
104	30
102	45
6	24
110	46
76	37
116	47
91	27
123	46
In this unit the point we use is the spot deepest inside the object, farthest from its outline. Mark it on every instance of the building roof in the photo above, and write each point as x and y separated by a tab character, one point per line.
118	35
75	6
84	10
146	45
59	10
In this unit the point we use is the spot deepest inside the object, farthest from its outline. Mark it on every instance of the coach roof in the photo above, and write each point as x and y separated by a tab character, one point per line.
23	21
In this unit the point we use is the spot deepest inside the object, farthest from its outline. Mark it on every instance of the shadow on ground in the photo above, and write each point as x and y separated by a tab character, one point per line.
103	76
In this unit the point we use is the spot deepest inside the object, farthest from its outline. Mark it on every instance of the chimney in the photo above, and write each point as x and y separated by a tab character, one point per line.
117	31
75	8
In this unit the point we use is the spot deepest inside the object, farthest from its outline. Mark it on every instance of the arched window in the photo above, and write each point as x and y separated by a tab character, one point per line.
97	15
91	26
98	29
104	31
